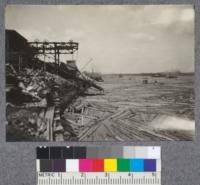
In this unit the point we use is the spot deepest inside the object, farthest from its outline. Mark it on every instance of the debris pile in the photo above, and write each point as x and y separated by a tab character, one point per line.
42	98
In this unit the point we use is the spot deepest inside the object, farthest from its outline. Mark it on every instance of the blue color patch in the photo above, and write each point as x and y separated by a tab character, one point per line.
137	165
149	165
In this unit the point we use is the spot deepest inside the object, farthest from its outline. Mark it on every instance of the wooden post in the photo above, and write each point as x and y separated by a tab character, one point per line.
82	118
19	63
49	116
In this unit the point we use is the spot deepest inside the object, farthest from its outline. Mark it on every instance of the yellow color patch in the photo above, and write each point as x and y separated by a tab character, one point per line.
110	165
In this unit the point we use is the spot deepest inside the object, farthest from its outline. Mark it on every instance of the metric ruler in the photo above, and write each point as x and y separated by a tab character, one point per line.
98	166
97	178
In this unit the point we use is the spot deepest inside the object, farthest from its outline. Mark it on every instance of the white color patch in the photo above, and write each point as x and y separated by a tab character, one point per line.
154	152
72	165
158	165
37	165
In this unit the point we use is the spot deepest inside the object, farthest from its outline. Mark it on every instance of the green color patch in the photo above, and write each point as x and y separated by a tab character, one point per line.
123	165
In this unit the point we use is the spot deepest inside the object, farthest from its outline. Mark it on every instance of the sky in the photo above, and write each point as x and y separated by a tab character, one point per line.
118	38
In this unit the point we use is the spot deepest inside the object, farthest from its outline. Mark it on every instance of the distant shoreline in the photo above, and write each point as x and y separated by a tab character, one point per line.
149	74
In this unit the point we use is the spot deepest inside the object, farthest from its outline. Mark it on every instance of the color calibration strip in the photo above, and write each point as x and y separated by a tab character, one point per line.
115	165
97	159
98	165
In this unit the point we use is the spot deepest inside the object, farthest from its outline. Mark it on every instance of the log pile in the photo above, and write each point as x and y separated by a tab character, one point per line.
105	121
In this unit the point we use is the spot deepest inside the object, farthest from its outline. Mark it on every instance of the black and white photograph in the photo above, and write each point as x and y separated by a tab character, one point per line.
99	73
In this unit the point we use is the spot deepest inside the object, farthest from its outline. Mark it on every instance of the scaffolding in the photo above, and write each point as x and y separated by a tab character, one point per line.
54	48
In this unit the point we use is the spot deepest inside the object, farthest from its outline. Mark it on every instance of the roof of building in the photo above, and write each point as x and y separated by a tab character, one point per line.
13	33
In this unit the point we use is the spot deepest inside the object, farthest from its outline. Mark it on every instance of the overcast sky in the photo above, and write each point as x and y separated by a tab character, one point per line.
119	38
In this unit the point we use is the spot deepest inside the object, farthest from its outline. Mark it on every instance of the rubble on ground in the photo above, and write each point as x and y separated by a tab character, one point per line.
31	113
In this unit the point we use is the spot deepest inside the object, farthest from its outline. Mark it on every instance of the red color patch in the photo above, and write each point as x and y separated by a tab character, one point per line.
98	165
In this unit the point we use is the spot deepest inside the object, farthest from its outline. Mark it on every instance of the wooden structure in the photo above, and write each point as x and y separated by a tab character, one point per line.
16	47
54	48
